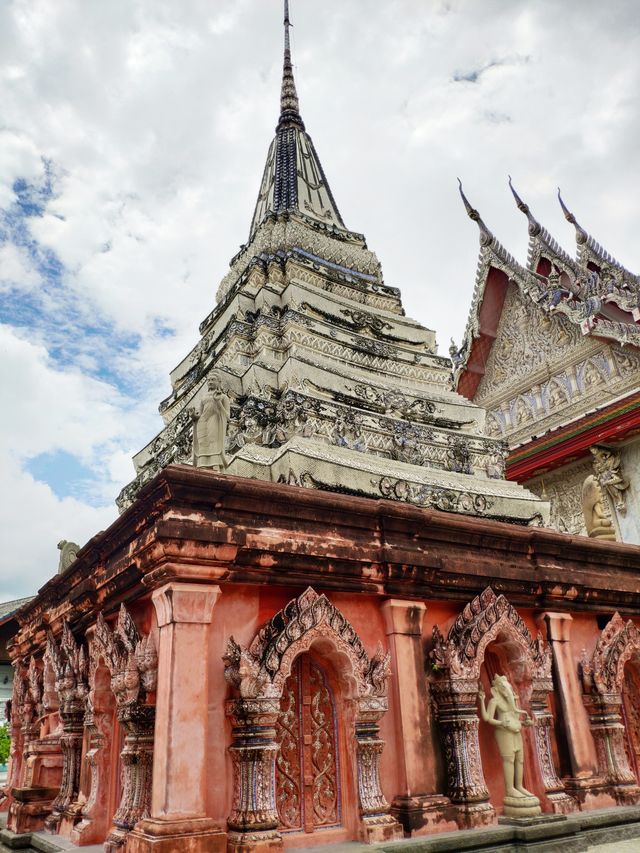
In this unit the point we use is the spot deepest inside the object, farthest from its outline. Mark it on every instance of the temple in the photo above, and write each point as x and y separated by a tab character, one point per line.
552	351
324	613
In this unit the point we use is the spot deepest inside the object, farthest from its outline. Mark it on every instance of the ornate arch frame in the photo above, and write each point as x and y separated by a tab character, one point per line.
456	661
258	675
602	680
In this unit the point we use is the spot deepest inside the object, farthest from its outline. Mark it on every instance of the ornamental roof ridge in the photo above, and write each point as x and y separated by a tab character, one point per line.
539	235
490	246
584	241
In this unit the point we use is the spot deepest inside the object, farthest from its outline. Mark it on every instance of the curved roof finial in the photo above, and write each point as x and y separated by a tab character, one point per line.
581	234
486	237
289	105
534	225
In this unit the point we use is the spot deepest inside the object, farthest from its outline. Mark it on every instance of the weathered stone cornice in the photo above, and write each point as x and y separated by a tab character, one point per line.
237	530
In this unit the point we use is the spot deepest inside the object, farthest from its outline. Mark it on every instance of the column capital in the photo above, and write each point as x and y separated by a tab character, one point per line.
558	626
403	617
177	602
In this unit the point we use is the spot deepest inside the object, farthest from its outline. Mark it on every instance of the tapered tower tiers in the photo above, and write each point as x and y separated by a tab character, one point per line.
330	385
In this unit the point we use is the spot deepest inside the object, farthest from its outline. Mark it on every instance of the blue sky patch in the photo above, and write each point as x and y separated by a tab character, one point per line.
64	473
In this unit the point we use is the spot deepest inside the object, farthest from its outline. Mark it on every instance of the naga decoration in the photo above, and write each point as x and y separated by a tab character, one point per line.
602	677
456	661
259	673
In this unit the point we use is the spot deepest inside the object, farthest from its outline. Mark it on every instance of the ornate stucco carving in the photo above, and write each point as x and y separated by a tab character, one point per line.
455	662
258	675
563	489
602	676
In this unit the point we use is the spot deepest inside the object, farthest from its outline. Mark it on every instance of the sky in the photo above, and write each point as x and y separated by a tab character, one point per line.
133	134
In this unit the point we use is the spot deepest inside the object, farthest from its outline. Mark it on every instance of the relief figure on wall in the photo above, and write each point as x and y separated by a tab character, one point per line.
503	713
598	525
607	467
210	421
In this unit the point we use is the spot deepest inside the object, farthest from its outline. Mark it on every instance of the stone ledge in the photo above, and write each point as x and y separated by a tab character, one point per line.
576	834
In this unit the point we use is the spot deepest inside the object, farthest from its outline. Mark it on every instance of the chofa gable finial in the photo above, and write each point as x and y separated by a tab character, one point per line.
485	235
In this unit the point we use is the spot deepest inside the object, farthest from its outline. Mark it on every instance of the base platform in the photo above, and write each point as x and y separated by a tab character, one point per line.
576	833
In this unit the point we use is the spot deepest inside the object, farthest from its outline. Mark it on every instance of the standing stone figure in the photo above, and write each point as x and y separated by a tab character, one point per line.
503	713
210	421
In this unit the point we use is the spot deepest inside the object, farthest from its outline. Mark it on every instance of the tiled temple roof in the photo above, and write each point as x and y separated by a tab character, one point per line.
593	290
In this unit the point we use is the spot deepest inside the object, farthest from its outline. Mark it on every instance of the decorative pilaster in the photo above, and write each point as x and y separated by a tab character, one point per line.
457	704
70	666
178	814
253	821
137	764
554	788
17	738
605	717
377	823
132	661
99	718
71	717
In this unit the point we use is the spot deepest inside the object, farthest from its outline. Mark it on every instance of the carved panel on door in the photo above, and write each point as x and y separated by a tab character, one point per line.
307	768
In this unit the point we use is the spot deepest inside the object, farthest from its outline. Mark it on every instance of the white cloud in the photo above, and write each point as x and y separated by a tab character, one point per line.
16	268
34	521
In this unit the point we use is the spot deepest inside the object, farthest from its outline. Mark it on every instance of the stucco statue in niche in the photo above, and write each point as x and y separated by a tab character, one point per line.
607	467
598	525
503	713
210	420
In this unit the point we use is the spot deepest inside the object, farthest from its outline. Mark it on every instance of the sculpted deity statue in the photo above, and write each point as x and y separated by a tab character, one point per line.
503	713
607	467
210	421
598	525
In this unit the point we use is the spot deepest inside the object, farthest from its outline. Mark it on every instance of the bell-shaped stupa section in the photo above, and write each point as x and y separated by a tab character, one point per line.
330	385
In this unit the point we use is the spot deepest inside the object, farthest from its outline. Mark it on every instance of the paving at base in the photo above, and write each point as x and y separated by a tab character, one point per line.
605	831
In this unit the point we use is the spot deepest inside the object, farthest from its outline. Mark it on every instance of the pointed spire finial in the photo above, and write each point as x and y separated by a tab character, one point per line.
289	106
486	237
534	225
581	234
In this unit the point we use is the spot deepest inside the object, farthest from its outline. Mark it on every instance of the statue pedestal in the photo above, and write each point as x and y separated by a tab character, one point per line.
519	807
532	821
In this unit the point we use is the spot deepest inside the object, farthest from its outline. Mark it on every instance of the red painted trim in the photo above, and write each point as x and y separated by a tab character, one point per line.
611	424
495	290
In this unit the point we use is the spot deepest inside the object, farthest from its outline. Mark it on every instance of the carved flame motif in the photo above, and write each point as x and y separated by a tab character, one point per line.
260	671
618	642
480	623
131	659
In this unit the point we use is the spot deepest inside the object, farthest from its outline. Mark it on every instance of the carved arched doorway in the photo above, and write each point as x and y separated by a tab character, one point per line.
309	765
305	670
